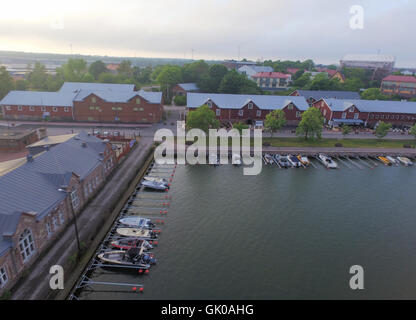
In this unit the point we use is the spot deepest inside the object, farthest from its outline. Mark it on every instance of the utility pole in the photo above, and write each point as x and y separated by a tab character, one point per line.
74	216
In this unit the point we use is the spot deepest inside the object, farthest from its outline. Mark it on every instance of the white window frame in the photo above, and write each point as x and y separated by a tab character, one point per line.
356	116
74	198
43	109
258	113
218	112
61	217
55	109
290	107
250	106
241	113
49	229
209	104
55	224
8	108
4	278
352	109
344	115
298	114
19	108
31	108
66	109
26	245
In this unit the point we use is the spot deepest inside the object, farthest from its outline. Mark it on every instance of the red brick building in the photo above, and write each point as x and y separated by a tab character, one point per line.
182	89
404	86
40	197
16	140
367	112
249	109
92	102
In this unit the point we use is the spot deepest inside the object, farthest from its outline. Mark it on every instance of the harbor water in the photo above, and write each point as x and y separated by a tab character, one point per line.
284	234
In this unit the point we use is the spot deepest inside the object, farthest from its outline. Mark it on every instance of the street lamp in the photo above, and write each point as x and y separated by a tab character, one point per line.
75	220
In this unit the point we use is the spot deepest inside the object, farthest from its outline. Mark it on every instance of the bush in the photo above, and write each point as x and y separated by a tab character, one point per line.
407	146
339	145
266	144
180	100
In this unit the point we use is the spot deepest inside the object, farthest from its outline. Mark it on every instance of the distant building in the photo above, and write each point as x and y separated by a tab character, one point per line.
333	74
13	140
251	71
273	81
381	65
249	109
367	112
235	65
182	89
404	86
93	102
40	195
292	71
113	67
312	96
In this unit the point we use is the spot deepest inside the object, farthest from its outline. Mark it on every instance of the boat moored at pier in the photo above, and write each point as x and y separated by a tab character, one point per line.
144	234
128	243
137	222
133	257
386	161
328	162
406	161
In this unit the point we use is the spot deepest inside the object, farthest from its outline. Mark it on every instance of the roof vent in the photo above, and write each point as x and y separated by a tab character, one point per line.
29	158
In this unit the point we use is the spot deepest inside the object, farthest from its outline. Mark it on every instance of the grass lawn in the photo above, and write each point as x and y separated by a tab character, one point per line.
330	143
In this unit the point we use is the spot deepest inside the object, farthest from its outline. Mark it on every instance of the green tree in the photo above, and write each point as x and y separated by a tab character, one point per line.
211	82
108	77
22	85
97	68
193	72
275	121
38	77
236	83
180	100
125	69
373	94
202	118
6	82
303	81
168	77
240	127
346	130
413	131
311	124
74	70
382	129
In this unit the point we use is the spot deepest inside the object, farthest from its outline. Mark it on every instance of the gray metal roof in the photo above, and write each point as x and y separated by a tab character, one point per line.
257	69
237	101
329	94
373	105
77	86
34	98
33	187
189	86
120	96
369	58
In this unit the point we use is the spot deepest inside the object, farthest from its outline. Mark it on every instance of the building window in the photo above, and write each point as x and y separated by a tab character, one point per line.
356	115
290	107
397	117
55	109
20	108
209	104
74	198
377	117
3	277
26	245
97	181
93	100
324	112
250	105
218	112
32	108
382	116
352	109
86	193
137	101
258	113
48	229
90	187
344	115
8	108
372	116
91	119
55	222
119	109
61	217
66	109
241	113
297	114
92	108
43	109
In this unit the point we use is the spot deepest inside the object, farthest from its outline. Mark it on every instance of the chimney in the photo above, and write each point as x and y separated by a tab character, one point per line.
42	133
29	158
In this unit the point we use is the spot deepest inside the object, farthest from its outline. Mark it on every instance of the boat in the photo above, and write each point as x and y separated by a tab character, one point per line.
137	222
155	185
393	160
134	257
213	160
328	162
304	160
294	161
144	234
268	158
283	161
236	159
156	179
385	161
128	243
406	161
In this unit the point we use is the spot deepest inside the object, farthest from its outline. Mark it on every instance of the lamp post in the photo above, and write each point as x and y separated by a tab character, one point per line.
75	220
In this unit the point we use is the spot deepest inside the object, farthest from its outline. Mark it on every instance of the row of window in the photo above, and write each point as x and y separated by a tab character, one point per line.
33	108
56	222
391	117
241	113
3	277
90	186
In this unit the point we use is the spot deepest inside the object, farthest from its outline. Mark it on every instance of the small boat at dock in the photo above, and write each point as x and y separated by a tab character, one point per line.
406	161
128	243
268	159
385	161
156	179
236	159
213	160
283	161
144	234
328	162
133	257
304	160
155	185
137	222
393	160
294	161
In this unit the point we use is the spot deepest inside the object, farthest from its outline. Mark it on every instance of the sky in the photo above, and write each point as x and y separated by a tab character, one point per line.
211	29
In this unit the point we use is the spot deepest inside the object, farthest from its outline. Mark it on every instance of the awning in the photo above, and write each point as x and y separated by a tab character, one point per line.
348	121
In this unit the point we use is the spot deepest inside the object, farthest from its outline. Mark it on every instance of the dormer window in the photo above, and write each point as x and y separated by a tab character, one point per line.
94	100
290	107
209	104
250	105
352	109
138	101
241	113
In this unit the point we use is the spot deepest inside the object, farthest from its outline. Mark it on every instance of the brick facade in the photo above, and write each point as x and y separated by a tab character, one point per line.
36	113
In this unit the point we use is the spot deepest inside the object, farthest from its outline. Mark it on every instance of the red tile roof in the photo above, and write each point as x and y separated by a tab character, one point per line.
400	78
292	70
277	75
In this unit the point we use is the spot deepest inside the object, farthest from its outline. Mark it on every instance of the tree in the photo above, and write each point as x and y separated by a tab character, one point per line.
303	80
6	82
211	82
240	127
38	77
125	70
193	72
168	77
311	124
180	100
236	83
202	118
346	130
74	70
382	129
373	94
275	121
108	77
97	68
413	131
22	85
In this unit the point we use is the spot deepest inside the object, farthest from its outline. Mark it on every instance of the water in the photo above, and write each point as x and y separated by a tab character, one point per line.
285	234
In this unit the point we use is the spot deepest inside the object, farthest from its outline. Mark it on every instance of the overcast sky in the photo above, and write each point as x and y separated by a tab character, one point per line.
215	29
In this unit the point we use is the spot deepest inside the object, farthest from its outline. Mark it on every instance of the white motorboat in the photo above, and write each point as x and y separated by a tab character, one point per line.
283	161
134	257
213	160
268	159
236	159
144	234
406	161
137	222
155	185
328	162
305	160
128	243
294	161
393	160
156	179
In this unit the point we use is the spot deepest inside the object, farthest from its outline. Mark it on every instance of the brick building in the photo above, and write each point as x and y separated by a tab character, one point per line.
380	65
249	109
12	140
40	197
94	102
367	112
182	89
404	86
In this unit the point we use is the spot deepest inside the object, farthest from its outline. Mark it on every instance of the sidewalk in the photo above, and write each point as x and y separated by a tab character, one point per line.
13	124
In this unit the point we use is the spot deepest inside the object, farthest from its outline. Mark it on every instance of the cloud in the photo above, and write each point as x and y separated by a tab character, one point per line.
278	29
